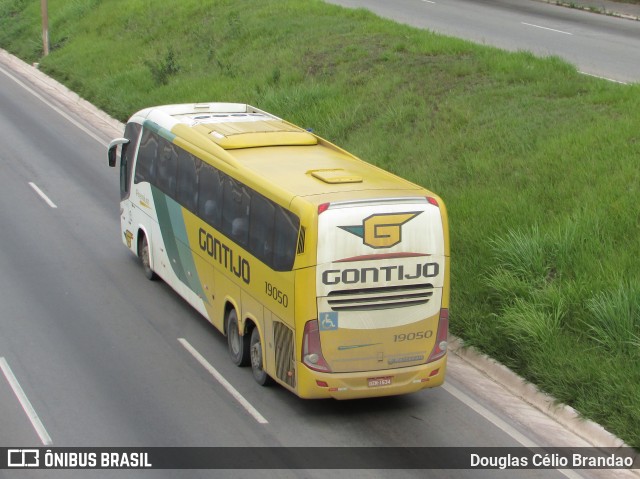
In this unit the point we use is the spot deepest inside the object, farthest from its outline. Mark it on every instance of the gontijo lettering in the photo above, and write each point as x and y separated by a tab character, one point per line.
381	273
223	254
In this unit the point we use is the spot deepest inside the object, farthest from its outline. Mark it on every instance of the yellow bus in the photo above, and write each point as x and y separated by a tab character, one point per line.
327	275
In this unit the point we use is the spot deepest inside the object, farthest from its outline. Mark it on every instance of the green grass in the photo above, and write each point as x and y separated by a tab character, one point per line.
538	164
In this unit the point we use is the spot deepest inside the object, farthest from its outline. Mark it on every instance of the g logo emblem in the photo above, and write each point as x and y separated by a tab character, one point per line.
382	231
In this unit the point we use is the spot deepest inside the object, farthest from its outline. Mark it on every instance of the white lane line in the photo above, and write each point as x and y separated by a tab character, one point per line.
503	425
488	415
25	403
42	195
429	1
220	378
546	28
53	107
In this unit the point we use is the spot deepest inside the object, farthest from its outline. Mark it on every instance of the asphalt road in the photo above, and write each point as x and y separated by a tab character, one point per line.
598	45
99	352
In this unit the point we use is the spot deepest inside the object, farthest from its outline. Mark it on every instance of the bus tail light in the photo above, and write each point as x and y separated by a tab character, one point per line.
440	348
311	351
433	201
323	207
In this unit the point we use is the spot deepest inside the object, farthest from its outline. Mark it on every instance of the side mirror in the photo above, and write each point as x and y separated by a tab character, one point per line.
113	149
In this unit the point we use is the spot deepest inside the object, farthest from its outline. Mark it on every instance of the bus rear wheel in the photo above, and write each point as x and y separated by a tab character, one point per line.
259	374
238	345
143	252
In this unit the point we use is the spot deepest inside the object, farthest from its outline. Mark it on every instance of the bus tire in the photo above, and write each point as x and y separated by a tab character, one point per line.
259	374
238	345
143	253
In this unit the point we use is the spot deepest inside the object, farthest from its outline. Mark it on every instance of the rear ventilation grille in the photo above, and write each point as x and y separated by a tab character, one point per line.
301	238
389	297
285	362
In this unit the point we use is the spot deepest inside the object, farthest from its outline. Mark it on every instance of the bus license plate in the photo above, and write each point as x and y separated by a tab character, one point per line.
377	382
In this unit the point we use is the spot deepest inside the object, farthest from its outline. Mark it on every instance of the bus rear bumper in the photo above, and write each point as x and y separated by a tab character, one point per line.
388	382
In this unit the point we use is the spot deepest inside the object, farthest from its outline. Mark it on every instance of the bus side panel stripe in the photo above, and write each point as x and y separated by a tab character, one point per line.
174	236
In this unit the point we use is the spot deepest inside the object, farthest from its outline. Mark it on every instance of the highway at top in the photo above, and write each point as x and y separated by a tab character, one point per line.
599	45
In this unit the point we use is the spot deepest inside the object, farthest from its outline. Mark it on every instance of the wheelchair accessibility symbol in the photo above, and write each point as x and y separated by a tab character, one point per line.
328	321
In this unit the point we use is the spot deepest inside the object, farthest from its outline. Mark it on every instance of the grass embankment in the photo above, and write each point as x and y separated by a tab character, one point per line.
539	166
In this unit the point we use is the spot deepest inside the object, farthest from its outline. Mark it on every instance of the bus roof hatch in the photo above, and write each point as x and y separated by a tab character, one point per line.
255	133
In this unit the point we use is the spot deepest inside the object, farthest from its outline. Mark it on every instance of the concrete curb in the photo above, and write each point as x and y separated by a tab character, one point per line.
587	7
564	415
55	91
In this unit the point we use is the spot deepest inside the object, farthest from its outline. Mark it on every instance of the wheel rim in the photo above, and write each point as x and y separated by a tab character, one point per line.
145	256
234	340
256	356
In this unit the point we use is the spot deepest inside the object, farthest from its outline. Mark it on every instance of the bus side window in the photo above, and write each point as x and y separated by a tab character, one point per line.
261	228
235	212
210	195
167	167
132	133
187	189
286	238
146	166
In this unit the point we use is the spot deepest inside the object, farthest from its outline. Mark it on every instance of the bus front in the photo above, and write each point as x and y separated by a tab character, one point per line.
382	281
